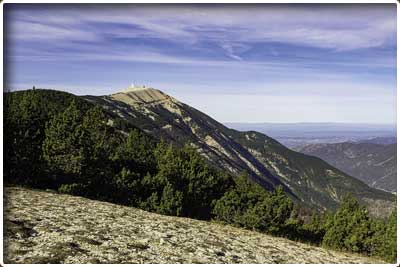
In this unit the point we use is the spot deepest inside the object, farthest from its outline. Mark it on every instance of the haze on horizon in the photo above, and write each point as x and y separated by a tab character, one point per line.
237	63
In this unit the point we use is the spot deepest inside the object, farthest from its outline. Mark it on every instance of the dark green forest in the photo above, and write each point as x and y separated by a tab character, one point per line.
55	140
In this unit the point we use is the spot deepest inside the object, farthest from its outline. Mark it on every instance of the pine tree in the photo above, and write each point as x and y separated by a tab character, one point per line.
350	228
62	147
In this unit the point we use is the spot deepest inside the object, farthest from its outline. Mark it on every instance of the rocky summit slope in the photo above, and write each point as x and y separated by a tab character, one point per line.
307	179
374	164
165	117
45	227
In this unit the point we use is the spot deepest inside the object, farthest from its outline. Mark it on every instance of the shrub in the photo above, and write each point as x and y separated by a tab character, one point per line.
250	206
73	189
350	228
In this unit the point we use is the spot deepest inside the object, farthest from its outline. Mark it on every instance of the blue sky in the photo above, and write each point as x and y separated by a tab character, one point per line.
237	63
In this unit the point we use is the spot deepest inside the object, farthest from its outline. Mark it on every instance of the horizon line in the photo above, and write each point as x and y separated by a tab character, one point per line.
312	122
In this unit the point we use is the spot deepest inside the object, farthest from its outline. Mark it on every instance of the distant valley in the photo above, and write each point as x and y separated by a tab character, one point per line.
374	164
365	151
297	135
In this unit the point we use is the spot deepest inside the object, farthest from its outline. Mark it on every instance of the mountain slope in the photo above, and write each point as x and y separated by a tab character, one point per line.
383	140
54	231
307	179
374	164
165	117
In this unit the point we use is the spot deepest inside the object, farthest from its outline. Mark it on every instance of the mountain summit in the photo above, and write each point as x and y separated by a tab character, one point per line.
139	95
307	179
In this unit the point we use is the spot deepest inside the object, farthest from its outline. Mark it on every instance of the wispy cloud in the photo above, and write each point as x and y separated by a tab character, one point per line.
275	51
36	31
207	34
337	28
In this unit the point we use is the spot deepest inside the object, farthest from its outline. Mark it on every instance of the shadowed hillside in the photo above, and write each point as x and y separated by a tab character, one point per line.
374	164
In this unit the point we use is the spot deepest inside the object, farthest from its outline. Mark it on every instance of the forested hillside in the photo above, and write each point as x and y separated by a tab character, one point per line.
55	140
307	180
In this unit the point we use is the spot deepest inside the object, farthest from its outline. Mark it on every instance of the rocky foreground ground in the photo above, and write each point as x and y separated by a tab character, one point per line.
46	227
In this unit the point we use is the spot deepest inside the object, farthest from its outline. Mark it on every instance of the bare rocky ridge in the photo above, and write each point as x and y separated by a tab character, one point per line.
46	227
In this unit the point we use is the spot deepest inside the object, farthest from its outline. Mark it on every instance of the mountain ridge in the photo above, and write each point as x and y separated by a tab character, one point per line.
313	182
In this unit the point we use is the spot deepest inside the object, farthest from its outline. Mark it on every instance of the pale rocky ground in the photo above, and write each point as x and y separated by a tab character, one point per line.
46	227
